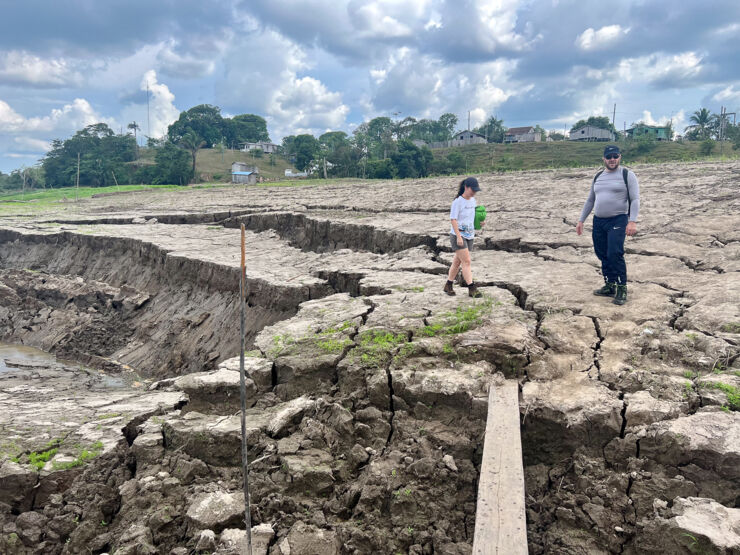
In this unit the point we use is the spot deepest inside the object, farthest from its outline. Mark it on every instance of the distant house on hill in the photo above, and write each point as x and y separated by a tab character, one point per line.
461	138
243	173
467	137
266	147
660	133
522	135
591	133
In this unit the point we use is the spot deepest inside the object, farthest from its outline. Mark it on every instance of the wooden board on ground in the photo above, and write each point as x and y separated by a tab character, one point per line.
500	521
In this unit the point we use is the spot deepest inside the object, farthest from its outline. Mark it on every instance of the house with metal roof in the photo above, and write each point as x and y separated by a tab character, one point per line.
264	146
591	133
522	135
657	132
463	138
244	173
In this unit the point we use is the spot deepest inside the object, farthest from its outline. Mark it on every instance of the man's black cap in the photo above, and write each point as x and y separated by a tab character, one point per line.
471	182
611	149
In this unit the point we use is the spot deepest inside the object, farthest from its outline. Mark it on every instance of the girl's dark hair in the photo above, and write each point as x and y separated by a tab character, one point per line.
467	182
461	189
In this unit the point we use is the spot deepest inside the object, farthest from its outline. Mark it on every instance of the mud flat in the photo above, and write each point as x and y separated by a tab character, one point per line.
368	388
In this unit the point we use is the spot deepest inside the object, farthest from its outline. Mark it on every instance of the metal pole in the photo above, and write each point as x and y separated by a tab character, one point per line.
77	181
243	395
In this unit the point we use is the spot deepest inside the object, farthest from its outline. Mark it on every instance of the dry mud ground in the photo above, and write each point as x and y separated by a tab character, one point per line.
367	386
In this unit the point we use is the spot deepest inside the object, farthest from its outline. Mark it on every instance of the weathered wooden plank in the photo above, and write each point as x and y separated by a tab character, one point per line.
500	520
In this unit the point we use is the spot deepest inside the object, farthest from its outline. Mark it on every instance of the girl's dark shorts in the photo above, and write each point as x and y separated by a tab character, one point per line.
467	243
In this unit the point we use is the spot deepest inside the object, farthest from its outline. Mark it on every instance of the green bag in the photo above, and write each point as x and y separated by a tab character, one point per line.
480	215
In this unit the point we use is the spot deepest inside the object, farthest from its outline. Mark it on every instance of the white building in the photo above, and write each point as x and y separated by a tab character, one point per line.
464	138
266	147
591	133
522	135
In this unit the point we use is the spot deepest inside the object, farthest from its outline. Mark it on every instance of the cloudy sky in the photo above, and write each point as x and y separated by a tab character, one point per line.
315	65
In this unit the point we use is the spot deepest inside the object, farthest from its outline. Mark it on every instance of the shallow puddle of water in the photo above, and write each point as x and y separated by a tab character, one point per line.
14	356
24	360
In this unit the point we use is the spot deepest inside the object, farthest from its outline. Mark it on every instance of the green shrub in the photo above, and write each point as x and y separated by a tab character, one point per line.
706	147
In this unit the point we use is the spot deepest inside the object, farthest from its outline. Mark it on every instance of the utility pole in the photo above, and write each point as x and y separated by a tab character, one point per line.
468	120
148	126
77	181
614	113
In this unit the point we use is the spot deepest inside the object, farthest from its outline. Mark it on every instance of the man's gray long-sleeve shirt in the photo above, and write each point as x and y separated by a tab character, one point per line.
608	197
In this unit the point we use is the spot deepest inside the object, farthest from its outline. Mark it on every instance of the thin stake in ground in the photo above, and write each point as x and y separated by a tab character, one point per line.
243	395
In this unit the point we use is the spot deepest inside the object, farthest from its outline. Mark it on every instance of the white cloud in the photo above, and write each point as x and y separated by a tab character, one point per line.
270	83
162	109
677	119
728	95
604	37
22	68
69	118
309	105
425	87
679	70
28	144
499	20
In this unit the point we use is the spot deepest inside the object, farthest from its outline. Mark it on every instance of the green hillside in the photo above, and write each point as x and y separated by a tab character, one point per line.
570	154
213	166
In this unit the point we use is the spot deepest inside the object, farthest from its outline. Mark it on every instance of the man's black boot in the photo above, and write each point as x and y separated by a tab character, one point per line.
609	290
621	297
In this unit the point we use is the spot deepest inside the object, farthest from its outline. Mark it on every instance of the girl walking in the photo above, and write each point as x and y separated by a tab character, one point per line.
462	233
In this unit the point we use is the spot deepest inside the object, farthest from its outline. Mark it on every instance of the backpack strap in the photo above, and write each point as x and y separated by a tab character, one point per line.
598	173
625	176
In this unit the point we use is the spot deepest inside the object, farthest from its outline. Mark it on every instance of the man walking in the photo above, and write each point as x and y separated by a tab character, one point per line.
615	200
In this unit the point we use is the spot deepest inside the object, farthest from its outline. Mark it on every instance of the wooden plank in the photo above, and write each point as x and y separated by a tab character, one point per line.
500	520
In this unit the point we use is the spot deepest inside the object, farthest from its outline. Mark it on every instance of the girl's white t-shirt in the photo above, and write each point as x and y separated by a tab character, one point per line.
463	210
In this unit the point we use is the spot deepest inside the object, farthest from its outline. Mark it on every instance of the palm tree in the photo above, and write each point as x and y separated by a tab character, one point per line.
701	123
134	127
192	142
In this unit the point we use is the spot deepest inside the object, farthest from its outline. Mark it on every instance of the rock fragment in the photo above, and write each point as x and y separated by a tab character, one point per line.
216	511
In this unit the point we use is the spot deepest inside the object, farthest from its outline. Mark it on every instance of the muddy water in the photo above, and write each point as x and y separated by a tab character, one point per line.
24	362
13	357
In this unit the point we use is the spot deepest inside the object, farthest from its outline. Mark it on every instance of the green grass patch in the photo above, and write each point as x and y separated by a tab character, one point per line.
109	415
49	200
731	327
281	344
732	393
483	158
337	329
38	459
85	454
461	320
333	346
377	347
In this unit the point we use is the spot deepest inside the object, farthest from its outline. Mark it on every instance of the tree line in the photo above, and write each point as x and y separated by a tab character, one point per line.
96	156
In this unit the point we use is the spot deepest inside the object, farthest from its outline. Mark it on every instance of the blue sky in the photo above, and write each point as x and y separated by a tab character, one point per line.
318	65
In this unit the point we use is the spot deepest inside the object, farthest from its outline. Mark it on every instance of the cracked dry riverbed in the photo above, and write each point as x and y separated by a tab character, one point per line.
368	388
